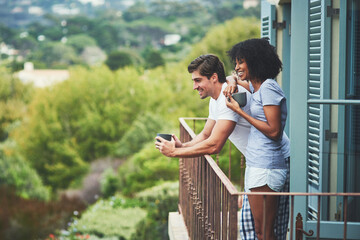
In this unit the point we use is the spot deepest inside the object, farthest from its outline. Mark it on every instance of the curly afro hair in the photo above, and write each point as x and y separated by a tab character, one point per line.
260	57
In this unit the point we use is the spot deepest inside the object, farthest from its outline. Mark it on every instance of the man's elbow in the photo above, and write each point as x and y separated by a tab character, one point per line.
215	149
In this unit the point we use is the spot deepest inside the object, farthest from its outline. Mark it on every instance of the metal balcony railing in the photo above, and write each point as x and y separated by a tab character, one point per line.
207	198
208	201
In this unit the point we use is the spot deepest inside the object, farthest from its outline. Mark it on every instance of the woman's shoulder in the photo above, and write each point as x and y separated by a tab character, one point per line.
271	84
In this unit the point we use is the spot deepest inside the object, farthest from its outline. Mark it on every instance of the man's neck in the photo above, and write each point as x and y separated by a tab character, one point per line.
217	91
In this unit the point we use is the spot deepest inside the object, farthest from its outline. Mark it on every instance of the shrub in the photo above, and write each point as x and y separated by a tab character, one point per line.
121	59
109	183
17	173
109	218
143	130
160	200
31	218
146	169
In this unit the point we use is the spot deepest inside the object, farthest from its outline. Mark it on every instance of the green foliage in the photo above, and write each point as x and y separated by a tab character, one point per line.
13	99
142	130
120	59
154	59
237	169
161	200
135	12
146	169
17	173
94	113
79	120
55	55
107	219
109	183
142	217
31	218
6	34
222	37
80	41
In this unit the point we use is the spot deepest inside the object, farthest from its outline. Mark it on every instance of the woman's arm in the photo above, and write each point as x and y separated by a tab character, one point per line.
232	82
271	128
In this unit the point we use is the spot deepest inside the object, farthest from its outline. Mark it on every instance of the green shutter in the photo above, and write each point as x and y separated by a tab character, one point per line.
314	84
268	15
319	55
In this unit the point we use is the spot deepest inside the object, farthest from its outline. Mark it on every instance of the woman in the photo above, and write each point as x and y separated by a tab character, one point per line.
256	65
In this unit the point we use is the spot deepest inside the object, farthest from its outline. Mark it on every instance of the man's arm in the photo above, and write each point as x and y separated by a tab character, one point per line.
203	135
211	145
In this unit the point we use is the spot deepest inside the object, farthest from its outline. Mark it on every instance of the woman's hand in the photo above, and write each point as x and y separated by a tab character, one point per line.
233	105
231	87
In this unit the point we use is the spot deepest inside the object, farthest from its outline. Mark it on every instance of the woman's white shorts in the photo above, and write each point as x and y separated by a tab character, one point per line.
258	177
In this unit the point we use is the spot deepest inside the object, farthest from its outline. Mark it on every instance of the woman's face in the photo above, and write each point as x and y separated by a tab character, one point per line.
242	70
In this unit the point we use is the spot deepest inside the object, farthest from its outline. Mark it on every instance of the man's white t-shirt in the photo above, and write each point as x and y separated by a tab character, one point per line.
219	111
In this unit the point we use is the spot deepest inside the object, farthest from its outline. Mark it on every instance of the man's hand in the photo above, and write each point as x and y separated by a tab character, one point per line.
166	147
178	143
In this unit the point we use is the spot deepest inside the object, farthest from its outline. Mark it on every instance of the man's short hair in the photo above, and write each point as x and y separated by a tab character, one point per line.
208	65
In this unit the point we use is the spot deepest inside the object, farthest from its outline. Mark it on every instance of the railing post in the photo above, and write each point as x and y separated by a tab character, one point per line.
299	225
299	228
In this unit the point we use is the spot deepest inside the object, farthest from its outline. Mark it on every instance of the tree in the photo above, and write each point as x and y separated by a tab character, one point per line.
80	41
55	55
17	173
135	12
6	34
119	59
154	59
13	99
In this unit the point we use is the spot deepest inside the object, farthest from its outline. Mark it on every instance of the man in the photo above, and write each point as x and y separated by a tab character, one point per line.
209	80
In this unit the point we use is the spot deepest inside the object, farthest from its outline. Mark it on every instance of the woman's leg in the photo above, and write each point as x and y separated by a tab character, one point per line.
257	205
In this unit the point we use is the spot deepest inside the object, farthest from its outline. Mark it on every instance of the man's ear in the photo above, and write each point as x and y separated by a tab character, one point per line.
214	77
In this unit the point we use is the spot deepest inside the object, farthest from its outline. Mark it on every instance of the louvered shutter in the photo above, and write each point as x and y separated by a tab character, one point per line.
268	15
318	88
314	151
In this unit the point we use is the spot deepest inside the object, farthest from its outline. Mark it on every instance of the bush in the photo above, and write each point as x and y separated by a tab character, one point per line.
33	219
121	59
160	200
146	169
143	130
109	218
109	183
17	173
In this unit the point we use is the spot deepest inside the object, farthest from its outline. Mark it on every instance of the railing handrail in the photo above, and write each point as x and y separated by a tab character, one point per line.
334	101
330	194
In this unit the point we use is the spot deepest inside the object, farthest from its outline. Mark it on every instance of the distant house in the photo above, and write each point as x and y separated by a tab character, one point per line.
62	9
8	50
42	77
250	3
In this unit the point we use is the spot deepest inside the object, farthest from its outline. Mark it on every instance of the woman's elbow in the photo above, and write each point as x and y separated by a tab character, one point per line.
276	135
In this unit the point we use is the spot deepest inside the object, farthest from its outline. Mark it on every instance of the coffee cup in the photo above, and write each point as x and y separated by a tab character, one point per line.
164	136
240	98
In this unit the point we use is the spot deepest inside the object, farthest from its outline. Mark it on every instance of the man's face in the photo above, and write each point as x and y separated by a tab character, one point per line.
202	84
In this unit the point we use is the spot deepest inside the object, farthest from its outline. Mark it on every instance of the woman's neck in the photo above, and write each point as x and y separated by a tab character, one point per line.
256	84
